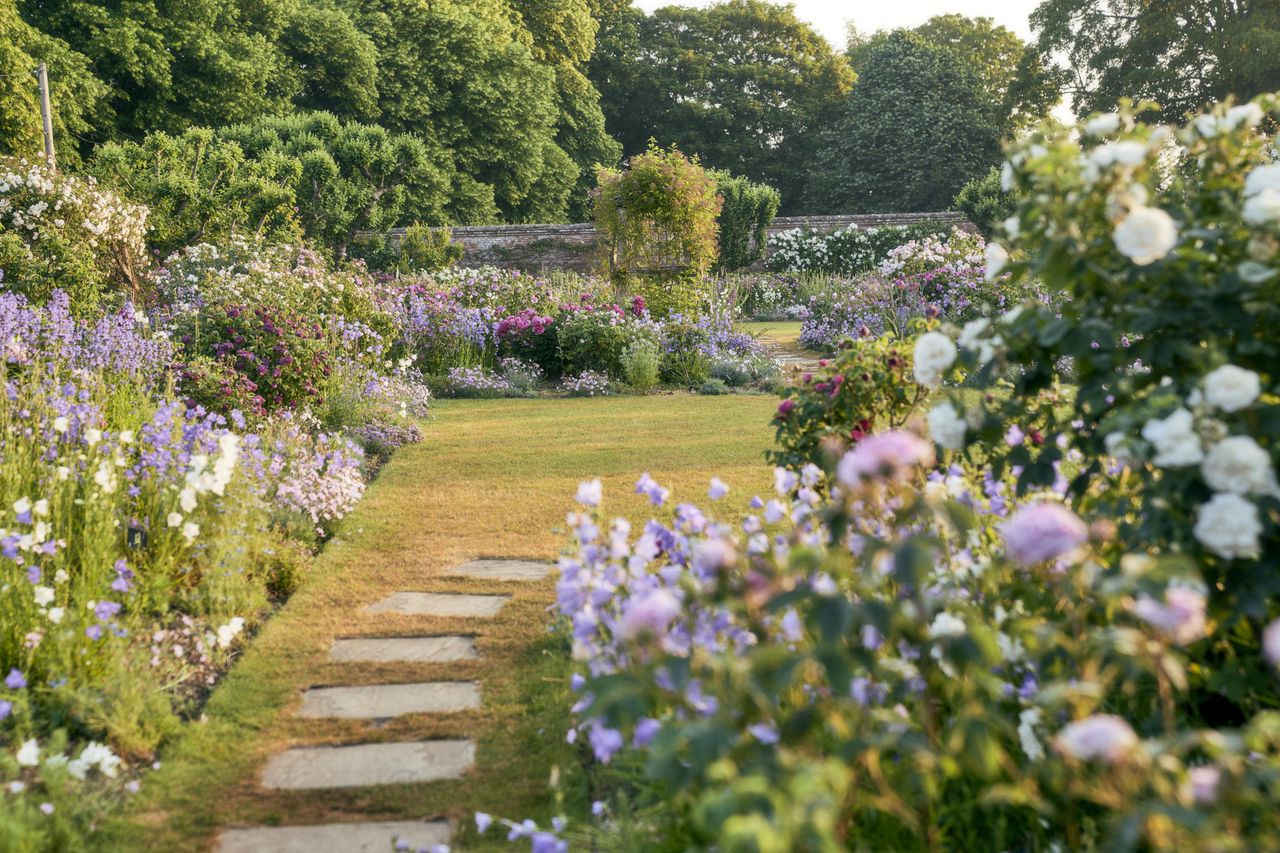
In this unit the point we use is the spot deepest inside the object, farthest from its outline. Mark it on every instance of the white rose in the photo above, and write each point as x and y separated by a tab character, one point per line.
1262	208
1174	439
1262	178
934	355
1102	125
947	426
997	260
1146	235
1231	388
1245	115
1228	526
1240	466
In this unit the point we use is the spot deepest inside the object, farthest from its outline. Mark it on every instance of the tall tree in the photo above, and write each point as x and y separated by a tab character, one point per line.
1019	89
743	84
915	129
1178	53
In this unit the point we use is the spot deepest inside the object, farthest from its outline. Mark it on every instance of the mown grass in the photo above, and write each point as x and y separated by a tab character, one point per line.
784	333
493	478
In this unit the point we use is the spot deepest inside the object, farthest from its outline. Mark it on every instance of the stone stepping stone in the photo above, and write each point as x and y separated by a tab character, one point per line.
439	604
503	570
446	649
383	701
305	768
334	837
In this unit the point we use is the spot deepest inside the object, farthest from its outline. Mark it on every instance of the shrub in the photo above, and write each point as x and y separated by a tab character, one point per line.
284	355
985	203
60	232
640	363
713	387
658	214
748	210
588	383
593	338
847	252
866	387
426	249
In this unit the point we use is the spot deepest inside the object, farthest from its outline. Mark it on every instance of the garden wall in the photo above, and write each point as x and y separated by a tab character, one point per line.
537	247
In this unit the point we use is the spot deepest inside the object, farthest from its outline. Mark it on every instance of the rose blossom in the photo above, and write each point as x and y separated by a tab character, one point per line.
1228	526
934	355
1102	736
1238	465
1271	642
1146	235
1180	618
1175	439
1231	388
947	426
893	454
1043	531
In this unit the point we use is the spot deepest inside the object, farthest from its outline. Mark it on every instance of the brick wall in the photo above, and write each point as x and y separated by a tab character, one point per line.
538	247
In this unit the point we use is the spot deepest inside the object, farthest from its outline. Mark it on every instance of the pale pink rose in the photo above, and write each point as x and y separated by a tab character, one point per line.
1043	531
1180	618
894	455
1104	737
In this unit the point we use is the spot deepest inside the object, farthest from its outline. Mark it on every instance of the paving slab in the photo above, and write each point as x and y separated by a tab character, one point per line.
502	570
334	837
439	604
368	764
383	701
445	649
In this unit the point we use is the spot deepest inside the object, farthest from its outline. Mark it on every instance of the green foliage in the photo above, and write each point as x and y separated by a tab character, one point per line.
597	341
916	128
640	364
866	388
658	215
201	187
78	94
426	249
984	203
735	83
1180	55
744	219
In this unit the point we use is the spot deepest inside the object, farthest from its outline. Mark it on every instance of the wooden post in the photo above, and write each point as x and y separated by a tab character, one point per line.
46	115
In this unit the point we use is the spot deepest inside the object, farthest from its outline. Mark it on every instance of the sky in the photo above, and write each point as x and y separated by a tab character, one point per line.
831	16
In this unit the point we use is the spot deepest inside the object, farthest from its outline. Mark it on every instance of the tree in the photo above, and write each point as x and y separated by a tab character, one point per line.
746	211
743	84
914	130
1020	91
1178	53
79	97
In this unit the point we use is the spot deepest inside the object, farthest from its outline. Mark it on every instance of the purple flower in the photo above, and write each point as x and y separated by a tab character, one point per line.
605	742
15	680
646	730
649	616
1043	531
483	822
717	490
766	733
105	610
1180	618
93	632
6	708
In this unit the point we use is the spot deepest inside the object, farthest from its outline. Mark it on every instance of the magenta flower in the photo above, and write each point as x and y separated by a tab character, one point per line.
1043	531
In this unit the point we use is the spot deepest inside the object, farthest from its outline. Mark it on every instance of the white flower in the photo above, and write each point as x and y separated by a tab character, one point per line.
1228	526
187	499
1175	440
105	478
1013	227
1126	153
190	530
934	355
1238	465
1261	179
1231	388
174	519
1102	125
41	507
22	505
43	596
61	424
946	625
92	436
1262	208
1271	642
228	632
61	576
98	755
947	426
28	754
1027	722
1102	736
1006	177
56	614
997	260
1245	115
1146	235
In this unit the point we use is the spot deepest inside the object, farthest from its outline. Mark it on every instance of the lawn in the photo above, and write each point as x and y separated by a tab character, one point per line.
493	478
784	333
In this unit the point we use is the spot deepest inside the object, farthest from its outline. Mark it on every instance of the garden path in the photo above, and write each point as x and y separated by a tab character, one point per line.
451	713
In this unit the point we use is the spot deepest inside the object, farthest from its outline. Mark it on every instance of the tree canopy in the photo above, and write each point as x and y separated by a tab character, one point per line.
743	84
915	129
1179	53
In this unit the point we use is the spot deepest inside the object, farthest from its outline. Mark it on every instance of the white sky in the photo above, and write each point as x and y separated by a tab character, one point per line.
830	16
